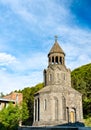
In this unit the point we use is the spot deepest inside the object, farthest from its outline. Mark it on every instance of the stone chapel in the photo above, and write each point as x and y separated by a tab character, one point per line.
57	102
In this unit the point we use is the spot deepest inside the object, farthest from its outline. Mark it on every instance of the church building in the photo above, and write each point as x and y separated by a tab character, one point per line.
57	102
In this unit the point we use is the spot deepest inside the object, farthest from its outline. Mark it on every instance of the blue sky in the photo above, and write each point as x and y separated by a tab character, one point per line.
27	30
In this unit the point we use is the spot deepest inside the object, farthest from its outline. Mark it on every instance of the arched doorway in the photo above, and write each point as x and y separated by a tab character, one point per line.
72	117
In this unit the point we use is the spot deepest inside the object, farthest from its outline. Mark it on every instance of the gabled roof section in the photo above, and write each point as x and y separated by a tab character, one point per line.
56	49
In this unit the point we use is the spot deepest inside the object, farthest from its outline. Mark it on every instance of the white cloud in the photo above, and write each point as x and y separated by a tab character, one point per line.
19	9
26	72
38	13
12	82
24	64
36	61
6	59
79	61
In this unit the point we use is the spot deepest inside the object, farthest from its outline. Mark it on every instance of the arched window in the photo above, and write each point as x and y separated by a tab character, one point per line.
45	104
58	78
61	60
50	77
56	59
52	60
63	76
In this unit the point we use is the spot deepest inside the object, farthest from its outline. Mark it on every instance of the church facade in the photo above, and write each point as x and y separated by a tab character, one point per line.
57	102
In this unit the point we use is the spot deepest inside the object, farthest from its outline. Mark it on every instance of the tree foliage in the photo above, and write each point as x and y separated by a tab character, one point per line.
81	81
28	98
11	115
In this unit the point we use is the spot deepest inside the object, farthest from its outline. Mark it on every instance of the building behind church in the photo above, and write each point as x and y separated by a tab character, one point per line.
57	103
14	97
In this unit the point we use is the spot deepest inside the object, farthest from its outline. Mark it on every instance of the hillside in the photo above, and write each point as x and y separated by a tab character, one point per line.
81	81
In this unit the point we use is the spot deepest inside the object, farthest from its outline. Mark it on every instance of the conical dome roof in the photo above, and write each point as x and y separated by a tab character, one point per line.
56	49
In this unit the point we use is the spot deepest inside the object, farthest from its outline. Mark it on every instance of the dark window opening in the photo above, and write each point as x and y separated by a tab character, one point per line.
56	59
52	60
61	60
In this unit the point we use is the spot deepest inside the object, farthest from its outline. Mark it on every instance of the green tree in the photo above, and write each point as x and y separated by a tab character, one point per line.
81	81
12	115
28	98
9	117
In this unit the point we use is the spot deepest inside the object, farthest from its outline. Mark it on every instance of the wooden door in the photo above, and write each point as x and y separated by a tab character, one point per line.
72	117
